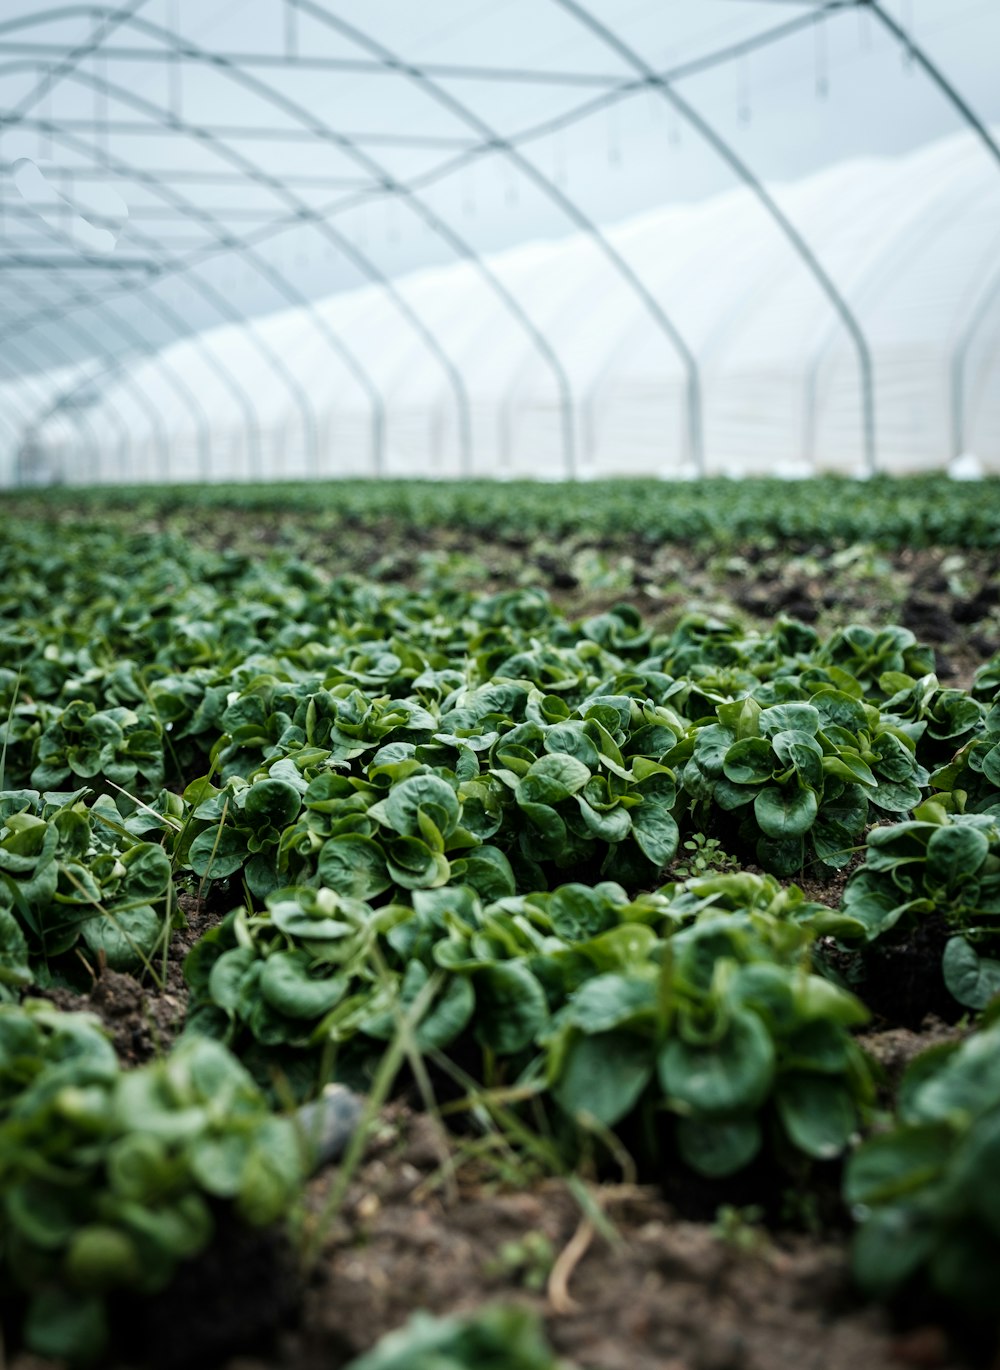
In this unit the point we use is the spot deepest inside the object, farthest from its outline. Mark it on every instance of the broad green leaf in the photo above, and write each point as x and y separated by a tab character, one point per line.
511	1008
603	1076
817	1112
288	985
354	866
716	1149
786	811
974	980
126	937
725	1076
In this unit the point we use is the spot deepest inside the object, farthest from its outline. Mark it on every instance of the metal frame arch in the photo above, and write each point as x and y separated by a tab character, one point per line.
77	418
402	189
168	267
494	140
770	205
301	212
876	270
304	214
142	399
989	297
225	241
931	69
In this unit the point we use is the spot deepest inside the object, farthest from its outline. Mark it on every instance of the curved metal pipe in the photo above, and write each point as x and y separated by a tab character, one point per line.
494	139
666	90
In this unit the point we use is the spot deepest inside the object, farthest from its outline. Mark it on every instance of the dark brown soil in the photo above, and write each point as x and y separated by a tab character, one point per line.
142	1020
647	1292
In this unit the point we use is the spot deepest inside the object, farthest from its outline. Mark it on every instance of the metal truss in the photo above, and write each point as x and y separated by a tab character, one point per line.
50	289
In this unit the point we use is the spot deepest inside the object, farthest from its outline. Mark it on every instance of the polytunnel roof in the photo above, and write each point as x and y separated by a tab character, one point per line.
233	211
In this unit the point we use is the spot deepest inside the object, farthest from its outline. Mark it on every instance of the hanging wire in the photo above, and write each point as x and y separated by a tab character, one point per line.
614	137
743	111
822	60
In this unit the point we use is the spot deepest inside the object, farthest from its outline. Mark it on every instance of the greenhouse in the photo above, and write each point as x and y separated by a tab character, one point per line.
167	270
500	685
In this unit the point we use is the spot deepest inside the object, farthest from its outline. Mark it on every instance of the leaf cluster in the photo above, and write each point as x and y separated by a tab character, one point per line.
108	1178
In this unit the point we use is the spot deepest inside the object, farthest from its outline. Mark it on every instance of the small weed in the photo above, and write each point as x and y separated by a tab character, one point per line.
707	855
741	1228
528	1261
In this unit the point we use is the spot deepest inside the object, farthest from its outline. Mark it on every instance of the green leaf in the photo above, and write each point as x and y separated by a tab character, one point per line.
354	866
226	977
972	979
448	1016
65	1325
218	1162
218	854
728	1075
608	1001
897	1163
604	1076
786	811
426	794
716	1149
551	779
749	762
289	985
817	1112
956	850
271	803
889	1247
511	1007
126	937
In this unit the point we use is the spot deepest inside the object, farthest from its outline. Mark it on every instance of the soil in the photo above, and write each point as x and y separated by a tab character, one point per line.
645	1287
648	1291
142	1020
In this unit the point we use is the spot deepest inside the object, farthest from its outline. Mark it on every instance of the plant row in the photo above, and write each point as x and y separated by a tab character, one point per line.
916	511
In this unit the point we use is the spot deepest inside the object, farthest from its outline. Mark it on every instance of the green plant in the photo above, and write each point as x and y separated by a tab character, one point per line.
741	1228
937	866
924	1192
108	1178
68	880
501	1336
706	855
528	1261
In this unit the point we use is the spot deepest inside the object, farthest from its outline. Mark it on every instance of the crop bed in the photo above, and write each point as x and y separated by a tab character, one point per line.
644	884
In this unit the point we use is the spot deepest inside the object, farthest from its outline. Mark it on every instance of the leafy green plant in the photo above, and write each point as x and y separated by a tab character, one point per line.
594	999
733	1033
924	1192
507	1336
974	771
936	866
108	1179
803	770
706	855
68	880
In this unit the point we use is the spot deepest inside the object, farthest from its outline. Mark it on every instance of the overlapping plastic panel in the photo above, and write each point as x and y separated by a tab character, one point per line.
915	243
244	239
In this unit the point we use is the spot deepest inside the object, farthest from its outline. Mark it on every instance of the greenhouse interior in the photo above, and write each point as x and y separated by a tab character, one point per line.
500	685
531	239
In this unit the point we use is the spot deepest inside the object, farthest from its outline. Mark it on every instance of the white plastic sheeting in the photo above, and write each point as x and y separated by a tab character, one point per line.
912	244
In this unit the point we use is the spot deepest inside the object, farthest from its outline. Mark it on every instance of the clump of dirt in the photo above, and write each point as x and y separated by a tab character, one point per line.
142	1019
140	1023
892	1049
